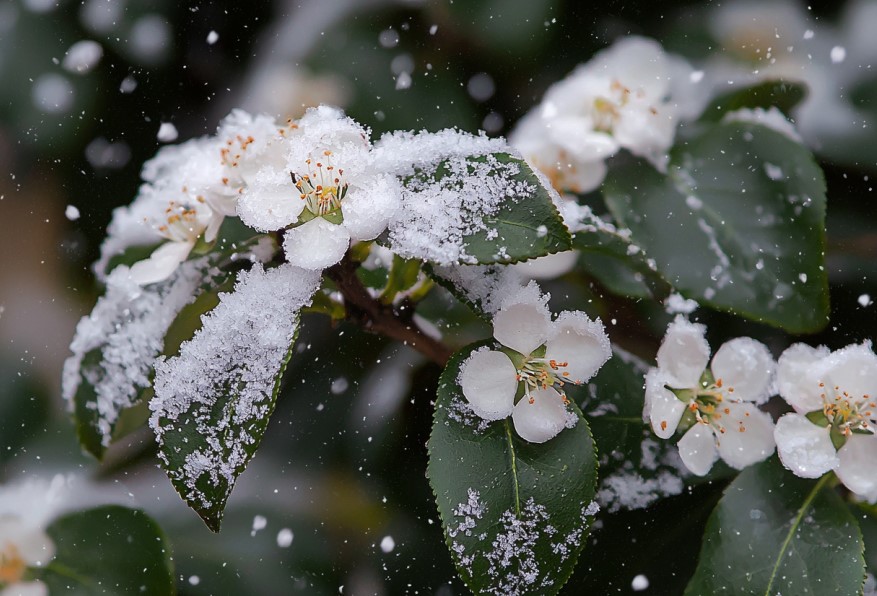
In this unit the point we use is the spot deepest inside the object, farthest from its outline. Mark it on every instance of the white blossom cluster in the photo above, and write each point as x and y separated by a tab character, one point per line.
833	395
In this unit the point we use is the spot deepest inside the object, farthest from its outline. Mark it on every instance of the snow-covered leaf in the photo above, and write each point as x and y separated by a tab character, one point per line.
213	401
738	223
515	514
108	549
775	533
480	209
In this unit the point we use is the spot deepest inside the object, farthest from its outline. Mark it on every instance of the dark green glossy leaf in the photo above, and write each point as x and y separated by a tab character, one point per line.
738	223
515	514
781	94
622	267
403	275
108	550
520	223
775	533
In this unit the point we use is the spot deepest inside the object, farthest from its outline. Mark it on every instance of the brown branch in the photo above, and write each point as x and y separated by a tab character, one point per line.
383	319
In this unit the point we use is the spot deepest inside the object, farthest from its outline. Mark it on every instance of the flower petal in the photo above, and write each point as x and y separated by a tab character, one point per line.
488	379
697	448
549	266
32	588
543	419
748	436
746	366
665	410
795	380
803	447
161	264
316	244
34	546
858	464
522	326
852	370
684	353
369	208
271	206
581	343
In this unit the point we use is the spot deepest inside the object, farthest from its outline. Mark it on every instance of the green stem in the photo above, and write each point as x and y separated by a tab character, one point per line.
508	434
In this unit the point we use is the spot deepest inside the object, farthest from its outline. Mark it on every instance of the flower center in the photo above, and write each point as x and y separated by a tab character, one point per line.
181	223
607	110
848	413
12	566
541	373
323	186
709	403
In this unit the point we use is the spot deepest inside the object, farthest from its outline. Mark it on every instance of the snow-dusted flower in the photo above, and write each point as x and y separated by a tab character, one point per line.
718	404
620	99
189	190
525	378
326	191
834	395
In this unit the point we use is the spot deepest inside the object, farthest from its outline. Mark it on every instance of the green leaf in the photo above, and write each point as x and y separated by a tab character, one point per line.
775	533
481	210
214	399
781	94
738	223
618	264
108	550
515	514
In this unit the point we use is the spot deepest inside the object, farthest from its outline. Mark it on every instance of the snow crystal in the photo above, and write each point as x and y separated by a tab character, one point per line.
439	215
243	343
212	37
388	544
125	331
639	583
71	213
630	490
339	386
838	54
128	84
404	153
259	523
167	132
403	81
284	538
194	580
864	300
461	412
82	56
676	304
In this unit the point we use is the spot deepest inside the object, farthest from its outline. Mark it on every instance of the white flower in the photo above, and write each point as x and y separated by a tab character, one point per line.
721	403
834	395
617	100
539	356
327	190
189	190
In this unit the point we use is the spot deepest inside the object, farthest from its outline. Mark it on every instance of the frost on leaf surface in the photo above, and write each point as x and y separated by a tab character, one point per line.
115	346
515	514
213	400
468	200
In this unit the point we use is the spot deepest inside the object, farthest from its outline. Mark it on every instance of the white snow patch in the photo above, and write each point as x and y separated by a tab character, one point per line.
167	132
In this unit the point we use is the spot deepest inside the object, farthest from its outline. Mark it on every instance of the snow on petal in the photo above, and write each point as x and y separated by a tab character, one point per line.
368	209
316	244
543	419
748	436
684	353
580	343
795	381
488	381
804	448
746	366
697	448
857	467
665	411
271	205
161	264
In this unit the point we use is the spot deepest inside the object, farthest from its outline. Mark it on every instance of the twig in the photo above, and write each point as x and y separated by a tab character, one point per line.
383	319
